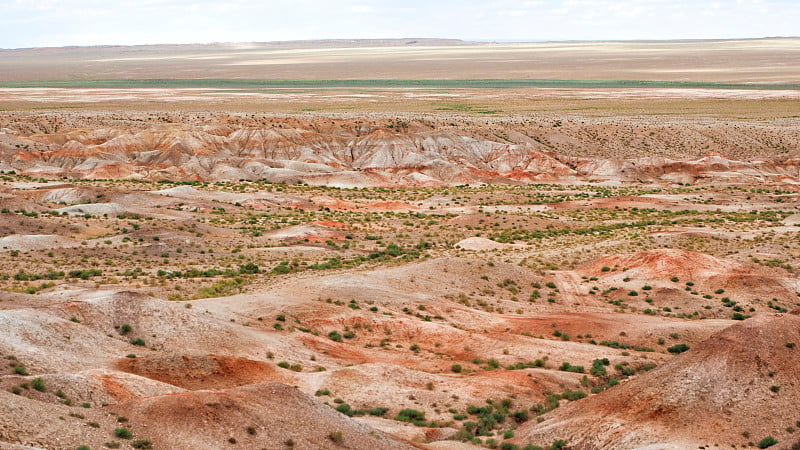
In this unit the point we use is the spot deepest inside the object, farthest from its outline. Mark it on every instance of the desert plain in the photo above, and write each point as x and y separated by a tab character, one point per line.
401	244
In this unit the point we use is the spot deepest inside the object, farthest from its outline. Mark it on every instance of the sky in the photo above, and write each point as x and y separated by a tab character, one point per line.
44	23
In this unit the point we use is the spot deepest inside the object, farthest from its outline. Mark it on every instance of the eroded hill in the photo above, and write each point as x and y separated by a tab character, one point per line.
440	282
386	151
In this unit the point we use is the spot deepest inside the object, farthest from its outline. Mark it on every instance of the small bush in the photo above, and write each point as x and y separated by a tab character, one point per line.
378	412
123	433
680	348
336	437
410	415
38	384
567	367
456	368
249	268
768	441
573	395
138	342
335	336
142	444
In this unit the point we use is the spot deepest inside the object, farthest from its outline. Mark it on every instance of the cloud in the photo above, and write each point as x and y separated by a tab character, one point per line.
513	12
363	9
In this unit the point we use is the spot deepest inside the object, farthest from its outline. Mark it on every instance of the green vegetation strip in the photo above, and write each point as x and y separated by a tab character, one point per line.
259	84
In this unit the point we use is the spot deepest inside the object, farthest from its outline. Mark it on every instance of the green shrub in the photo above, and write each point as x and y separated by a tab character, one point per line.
138	341
456	368
249	268
573	395
38	384
410	415
282	268
335	336
85	274
598	367
20	370
123	433
378	412
336	437
567	367
768	441
142	444
680	348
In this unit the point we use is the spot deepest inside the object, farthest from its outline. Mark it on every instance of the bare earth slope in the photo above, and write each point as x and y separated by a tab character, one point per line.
740	385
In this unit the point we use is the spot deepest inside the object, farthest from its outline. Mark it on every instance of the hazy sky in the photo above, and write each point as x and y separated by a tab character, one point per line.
30	23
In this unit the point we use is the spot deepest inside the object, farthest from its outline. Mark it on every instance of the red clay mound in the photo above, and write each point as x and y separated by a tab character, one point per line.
708	272
269	415
203	372
666	263
739	386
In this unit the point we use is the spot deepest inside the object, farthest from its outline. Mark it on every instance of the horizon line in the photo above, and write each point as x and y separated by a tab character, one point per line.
459	40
